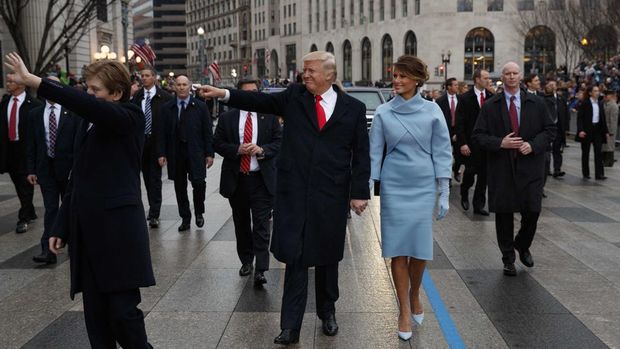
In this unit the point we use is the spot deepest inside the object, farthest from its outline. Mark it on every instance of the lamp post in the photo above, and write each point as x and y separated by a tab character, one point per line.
445	60
201	49
125	23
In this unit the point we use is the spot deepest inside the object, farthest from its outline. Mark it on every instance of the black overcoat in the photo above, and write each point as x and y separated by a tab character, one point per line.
226	143
22	131
515	181
444	105
199	127
101	216
318	172
467	111
157	101
584	121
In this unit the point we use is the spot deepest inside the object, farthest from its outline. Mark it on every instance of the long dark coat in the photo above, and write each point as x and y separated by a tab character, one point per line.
226	143
199	128
22	131
101	216
318	172
584	121
467	111
515	181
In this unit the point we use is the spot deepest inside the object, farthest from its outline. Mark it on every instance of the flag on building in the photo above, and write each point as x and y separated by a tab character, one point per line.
142	49
214	68
267	57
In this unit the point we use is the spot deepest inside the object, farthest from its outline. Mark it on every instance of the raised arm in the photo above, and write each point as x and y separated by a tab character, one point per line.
266	103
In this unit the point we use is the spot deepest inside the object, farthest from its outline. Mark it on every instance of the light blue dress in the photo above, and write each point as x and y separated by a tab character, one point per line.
418	152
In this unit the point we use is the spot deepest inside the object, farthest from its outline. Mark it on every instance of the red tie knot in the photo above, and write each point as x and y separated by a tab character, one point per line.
512	98
15	99
318	98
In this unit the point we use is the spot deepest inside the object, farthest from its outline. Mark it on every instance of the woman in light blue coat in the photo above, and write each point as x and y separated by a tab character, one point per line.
415	169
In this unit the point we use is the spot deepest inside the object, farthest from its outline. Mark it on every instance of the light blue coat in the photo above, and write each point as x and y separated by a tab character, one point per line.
418	152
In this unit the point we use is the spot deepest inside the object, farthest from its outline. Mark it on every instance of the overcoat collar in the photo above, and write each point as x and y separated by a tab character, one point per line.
307	99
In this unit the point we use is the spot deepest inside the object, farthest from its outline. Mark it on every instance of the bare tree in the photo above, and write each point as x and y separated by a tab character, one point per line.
75	17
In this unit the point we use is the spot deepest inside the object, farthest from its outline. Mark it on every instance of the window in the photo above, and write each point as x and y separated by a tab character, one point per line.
392	9
381	10
525	5
295	28
347	60
313	48
465	6
309	17
495	5
555	5
539	51
291	59
416	4
366	60
361	8
479	51
329	48
602	42
405	8
371	11
333	14
387	58
325	14
411	44
351	13
294	10
342	19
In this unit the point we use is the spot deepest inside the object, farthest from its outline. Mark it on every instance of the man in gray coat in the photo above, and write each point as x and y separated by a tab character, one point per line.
611	112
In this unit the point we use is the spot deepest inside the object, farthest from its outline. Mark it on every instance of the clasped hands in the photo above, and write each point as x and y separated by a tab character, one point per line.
517	143
250	149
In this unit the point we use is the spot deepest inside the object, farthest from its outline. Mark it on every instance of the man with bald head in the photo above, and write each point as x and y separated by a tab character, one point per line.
186	145
515	129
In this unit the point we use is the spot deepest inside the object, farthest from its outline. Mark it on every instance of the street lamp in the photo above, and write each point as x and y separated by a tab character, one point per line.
445	60
201	48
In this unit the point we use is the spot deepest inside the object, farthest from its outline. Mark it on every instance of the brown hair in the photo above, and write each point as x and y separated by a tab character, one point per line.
113	75
413	67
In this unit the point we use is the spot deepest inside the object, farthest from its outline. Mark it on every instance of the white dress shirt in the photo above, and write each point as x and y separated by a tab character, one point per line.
478	93
595	111
152	92
20	99
243	116
46	120
456	100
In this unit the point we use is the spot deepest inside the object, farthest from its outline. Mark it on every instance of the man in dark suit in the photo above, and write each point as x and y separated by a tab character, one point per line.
592	130
532	84
473	157
249	143
50	158
186	145
324	162
558	109
515	129
15	109
448	103
150	99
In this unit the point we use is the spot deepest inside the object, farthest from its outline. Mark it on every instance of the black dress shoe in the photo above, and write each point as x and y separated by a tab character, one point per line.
465	204
600	178
525	257
481	211
245	270
200	221
287	336
45	257
557	174
22	227
184	226
510	270
586	177
259	279
330	326
154	223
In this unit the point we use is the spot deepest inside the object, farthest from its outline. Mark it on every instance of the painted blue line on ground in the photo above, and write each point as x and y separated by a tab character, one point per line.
450	333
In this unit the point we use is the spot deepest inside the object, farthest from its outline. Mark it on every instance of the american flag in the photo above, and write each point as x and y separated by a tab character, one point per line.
142	49
214	68
267	57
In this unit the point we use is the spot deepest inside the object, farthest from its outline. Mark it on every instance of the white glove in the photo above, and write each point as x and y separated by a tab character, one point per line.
371	184
443	186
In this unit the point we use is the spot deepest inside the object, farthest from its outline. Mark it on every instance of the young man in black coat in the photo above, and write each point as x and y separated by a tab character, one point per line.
186	145
249	143
150	98
15	109
592	131
448	103
515	129
52	129
323	171
558	109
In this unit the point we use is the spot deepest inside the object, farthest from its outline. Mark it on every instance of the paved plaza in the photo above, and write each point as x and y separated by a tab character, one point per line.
570	299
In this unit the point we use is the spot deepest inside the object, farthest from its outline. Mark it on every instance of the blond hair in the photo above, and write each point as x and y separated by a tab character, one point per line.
328	59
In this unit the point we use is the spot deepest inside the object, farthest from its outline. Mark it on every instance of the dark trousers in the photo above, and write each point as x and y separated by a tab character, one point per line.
597	141
25	191
556	151
180	186
52	190
251	209
504	226
458	158
151	172
475	167
111	317
296	293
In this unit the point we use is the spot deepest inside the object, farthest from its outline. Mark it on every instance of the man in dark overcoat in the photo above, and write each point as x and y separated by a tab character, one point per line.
448	103
324	162
186	145
515	129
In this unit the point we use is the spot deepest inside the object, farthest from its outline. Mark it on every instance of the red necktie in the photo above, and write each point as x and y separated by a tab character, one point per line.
13	121
452	110
514	119
481	98
320	112
247	138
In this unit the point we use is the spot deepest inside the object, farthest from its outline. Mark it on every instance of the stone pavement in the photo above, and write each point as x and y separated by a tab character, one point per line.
570	299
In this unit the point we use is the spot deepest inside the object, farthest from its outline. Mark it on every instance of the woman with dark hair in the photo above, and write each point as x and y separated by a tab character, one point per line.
417	165
592	130
101	216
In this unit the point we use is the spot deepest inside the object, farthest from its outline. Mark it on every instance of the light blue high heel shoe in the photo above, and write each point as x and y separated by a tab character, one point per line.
417	318
404	336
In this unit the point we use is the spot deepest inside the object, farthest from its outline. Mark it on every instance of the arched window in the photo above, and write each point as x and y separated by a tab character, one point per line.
347	61
366	59
313	48
601	42
387	58
329	47
411	44
539	51
479	51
